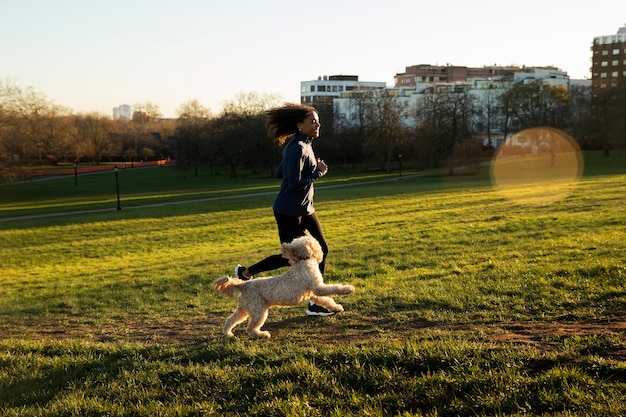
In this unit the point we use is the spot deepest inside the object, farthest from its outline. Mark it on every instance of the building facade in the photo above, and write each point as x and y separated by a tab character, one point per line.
425	73
326	88
608	67
421	76
484	85
121	112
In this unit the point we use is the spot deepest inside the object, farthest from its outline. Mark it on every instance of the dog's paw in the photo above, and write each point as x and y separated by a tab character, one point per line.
261	335
348	289
229	334
338	308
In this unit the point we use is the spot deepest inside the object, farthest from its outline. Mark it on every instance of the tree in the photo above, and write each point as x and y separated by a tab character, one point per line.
489	114
240	134
352	126
535	104
609	117
192	133
93	138
32	128
445	119
251	104
581	123
388	132
145	124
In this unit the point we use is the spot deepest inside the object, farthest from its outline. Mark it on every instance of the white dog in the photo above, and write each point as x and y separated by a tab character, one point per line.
301	282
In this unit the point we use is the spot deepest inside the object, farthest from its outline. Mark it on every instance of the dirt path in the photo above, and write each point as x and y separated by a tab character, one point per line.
541	334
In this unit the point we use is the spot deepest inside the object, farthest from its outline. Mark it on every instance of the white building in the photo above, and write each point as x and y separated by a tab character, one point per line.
121	112
326	88
549	76
485	91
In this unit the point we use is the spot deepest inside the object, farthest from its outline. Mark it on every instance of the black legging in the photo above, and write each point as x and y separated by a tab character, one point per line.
289	228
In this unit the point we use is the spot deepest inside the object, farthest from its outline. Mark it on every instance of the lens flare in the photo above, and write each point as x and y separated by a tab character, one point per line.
537	166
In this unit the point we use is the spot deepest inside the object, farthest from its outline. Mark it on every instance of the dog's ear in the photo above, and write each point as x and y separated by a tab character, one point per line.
315	250
287	249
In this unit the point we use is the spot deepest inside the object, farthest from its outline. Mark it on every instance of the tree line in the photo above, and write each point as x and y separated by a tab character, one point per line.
375	130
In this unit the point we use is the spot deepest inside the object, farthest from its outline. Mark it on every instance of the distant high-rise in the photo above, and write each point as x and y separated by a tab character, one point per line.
608	62
121	112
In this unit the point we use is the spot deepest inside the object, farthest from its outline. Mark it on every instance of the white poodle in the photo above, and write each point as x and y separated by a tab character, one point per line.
301	282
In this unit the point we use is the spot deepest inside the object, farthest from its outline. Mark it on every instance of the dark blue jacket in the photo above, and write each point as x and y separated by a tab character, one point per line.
298	170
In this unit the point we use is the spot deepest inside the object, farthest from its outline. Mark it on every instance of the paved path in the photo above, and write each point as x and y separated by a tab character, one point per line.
201	200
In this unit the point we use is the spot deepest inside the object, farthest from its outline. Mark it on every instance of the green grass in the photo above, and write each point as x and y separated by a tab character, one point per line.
467	303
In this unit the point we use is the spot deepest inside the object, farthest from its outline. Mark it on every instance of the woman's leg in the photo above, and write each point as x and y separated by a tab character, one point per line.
289	228
270	263
313	225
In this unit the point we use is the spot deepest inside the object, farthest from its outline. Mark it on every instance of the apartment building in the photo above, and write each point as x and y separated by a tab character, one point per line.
415	75
608	61
323	90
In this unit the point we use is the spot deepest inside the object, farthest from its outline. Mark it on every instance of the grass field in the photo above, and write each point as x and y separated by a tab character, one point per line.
466	303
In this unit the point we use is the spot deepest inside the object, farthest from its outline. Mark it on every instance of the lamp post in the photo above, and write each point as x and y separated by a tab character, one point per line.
400	158
117	187
75	172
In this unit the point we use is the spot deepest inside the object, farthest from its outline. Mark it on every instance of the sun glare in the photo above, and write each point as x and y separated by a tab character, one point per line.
537	166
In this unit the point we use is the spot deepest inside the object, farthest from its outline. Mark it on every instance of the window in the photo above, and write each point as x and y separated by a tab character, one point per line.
605	52
614	74
605	63
615	62
615	51
321	88
603	75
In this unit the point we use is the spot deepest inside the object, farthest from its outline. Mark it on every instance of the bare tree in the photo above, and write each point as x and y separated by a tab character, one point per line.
388	131
241	137
535	104
609	117
93	136
192	133
580	121
444	120
489	114
251	104
352	126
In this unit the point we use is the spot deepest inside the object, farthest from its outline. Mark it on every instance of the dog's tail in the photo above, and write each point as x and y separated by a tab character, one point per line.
227	286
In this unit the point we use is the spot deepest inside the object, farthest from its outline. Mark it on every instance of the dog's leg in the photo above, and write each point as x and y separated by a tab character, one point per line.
332	289
257	319
234	319
328	303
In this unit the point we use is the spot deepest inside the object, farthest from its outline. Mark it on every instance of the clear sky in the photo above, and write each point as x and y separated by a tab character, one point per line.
90	56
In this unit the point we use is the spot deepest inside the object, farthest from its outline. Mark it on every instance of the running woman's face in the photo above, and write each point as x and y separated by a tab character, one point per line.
311	125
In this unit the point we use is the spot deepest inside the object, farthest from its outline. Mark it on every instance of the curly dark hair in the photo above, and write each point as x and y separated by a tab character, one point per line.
282	121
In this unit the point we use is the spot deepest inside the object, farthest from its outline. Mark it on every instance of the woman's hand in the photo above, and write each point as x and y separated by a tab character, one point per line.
321	166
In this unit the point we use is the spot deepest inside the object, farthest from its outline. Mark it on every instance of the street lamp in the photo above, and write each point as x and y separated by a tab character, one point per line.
400	158
75	172
117	187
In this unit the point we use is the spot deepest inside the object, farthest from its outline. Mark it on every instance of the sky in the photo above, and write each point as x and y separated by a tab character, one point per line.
91	56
